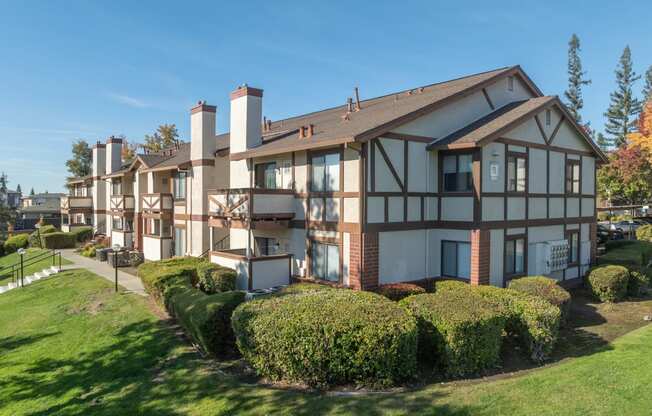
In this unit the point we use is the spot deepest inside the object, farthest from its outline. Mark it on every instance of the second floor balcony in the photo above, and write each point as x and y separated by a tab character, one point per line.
157	202
72	203
251	204
122	203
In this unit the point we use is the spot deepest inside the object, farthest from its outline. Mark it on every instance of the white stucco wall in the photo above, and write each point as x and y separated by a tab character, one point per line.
401	256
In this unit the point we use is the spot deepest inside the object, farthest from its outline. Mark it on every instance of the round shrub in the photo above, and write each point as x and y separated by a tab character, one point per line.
459	331
608	283
212	278
327	337
644	232
547	289
638	280
299	288
15	242
159	276
398	291
531	319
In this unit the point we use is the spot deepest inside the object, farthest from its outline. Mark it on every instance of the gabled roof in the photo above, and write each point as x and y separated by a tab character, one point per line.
79	179
376	116
490	127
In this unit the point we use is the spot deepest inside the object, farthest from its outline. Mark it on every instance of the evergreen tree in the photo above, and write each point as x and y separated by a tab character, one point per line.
32	193
20	191
624	107
82	158
602	141
575	79
3	182
647	88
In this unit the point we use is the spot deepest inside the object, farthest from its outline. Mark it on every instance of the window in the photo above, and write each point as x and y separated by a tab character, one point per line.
325	261
265	175
572	176
458	173
265	246
510	83
515	256
456	259
326	172
179	242
128	225
155	227
117	223
116	188
516	173
179	185
573	247
548	117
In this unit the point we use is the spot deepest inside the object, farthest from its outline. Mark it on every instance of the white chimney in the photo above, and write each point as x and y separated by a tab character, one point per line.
99	159
113	154
246	118
202	131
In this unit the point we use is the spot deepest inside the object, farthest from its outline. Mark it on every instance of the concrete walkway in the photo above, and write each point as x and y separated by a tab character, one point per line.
103	269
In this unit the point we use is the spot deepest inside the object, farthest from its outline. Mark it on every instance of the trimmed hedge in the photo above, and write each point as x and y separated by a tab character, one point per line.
398	291
299	288
83	233
638	281
532	320
45	229
459	331
628	253
608	283
547	289
212	278
158	276
327	337
59	240
206	318
15	242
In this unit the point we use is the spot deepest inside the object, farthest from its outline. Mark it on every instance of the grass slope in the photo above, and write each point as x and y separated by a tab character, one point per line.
13	258
69	345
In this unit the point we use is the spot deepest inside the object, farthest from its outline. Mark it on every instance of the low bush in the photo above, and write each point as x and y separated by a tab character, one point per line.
212	278
15	242
644	233
2	248
158	276
532	320
628	253
327	337
298	288
58	240
83	233
34	237
608	283
547	289
206	318
639	280
459	331
398	291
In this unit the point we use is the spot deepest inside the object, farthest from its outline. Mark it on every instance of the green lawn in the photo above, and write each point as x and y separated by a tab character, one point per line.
36	267
69	345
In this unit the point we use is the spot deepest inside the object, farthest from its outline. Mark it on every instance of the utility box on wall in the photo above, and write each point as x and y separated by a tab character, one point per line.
547	257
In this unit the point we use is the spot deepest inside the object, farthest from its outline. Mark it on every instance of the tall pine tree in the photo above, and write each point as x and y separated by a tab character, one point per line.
647	88
624	107
575	79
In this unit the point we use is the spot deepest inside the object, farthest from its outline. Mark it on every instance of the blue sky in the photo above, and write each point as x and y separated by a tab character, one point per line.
90	69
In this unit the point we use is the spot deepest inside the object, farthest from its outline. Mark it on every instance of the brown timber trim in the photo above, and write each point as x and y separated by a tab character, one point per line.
543	146
477	185
556	130
390	165
469	225
202	162
486	97
408	137
541	130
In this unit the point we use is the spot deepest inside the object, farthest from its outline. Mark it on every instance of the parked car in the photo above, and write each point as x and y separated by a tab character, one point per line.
626	226
605	234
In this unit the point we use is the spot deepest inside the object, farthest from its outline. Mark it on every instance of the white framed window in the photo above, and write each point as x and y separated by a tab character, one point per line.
516	173
457	171
548	117
456	259
326	173
510	83
515	256
179	185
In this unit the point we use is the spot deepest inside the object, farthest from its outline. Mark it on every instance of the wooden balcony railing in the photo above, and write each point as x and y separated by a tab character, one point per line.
76	203
122	202
157	202
251	203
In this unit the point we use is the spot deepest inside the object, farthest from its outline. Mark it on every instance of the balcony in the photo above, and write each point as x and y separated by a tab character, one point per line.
122	203
271	207
157	202
72	204
256	272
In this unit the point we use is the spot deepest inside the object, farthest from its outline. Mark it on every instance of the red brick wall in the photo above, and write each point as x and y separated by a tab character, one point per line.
480	256
363	261
593	235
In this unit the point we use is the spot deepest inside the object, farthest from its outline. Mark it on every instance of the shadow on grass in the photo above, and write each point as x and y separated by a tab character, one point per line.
11	343
148	370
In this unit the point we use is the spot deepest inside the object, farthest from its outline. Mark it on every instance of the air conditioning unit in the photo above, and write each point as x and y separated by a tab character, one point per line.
547	257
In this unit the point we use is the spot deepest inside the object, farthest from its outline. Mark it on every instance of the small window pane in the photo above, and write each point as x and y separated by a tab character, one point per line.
509	256
449	258
465	163
450	164
511	174
576	179
519	256
520	174
333	263
464	260
318	173
332	162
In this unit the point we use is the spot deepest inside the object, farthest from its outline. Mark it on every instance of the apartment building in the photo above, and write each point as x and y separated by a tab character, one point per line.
157	203
481	178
